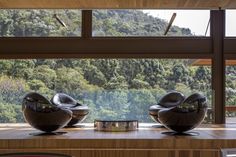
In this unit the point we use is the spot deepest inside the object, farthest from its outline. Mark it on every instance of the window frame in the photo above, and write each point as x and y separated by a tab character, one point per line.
216	47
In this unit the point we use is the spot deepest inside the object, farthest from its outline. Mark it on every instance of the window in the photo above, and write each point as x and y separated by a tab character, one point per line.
151	22
230	90
112	88
230	23
192	45
40	23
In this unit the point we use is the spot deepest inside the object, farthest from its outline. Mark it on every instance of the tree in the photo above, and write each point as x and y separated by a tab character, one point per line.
45	74
94	75
22	68
7	113
71	82
6	67
12	90
118	82
36	84
139	102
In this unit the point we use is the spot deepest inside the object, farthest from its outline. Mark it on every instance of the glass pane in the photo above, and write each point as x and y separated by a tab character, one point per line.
230	99
112	88
230	23
150	22
40	23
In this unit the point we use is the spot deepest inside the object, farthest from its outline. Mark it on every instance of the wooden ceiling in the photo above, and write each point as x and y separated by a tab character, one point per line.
120	4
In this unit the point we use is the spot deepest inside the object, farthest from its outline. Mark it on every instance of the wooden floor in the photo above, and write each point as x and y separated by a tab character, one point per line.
147	141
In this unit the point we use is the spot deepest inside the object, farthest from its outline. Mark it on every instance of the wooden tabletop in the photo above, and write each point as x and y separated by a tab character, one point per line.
210	136
145	131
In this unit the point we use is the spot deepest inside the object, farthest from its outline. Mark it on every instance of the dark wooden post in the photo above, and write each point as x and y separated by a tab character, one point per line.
86	23
218	64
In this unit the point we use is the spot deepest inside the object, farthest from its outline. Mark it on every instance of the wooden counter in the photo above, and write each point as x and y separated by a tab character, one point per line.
147	141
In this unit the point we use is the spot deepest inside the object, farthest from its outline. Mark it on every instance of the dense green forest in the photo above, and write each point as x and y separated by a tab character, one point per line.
112	88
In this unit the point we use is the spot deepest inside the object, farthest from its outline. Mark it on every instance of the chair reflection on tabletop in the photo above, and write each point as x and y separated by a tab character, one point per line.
231	152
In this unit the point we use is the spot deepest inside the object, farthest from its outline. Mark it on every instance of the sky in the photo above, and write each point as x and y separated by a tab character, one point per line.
196	20
231	23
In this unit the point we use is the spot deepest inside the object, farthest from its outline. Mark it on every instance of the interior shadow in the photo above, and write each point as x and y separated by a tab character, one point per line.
47	133
189	133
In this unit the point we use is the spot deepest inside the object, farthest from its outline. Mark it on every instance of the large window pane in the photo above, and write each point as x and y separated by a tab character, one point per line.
230	107
230	23
150	22
112	88
40	23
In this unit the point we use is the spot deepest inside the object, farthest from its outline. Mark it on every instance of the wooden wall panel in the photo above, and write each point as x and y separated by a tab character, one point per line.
119	4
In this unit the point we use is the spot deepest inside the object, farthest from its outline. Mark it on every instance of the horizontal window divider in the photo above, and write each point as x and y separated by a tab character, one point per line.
65	46
111	37
103	55
230	56
229	38
152	37
229	45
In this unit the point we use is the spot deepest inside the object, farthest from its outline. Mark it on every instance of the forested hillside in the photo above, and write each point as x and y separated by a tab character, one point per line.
112	88
105	23
132	23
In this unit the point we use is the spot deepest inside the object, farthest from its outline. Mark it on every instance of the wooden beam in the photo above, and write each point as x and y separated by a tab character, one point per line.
229	45
119	4
166	47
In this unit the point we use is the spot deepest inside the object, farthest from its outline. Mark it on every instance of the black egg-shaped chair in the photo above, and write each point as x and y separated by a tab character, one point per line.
169	100
186	116
79	111
42	115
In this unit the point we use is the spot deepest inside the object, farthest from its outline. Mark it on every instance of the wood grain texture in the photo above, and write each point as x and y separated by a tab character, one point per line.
129	153
218	65
207	62
148	142
98	47
119	4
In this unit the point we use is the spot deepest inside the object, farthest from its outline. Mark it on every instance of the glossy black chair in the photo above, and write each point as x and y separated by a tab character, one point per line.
185	116
42	115
79	111
169	100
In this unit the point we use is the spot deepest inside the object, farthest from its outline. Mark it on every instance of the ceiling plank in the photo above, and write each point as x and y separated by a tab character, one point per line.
228	4
119	4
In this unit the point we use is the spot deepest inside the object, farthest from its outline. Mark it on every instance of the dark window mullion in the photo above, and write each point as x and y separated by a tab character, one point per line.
86	23
218	66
